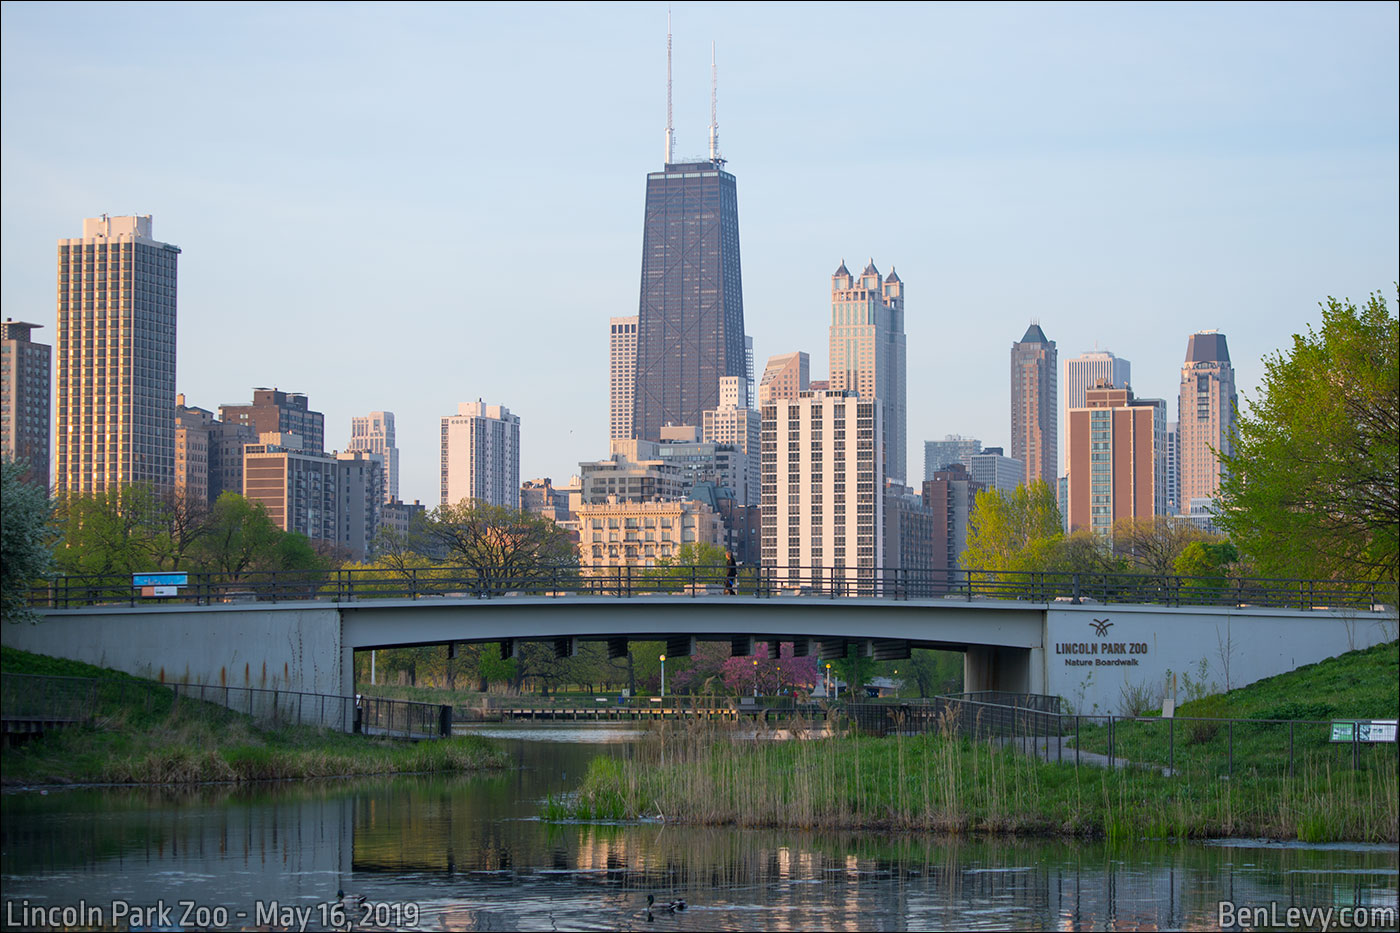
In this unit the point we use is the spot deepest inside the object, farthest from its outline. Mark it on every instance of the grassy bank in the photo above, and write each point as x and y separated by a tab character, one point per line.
146	737
946	784
1253	778
1357	685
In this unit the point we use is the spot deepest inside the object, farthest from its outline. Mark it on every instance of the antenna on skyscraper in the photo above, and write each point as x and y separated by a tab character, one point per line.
670	128
714	106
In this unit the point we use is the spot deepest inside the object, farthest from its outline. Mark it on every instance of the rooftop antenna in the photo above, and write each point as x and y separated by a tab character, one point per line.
714	106
670	128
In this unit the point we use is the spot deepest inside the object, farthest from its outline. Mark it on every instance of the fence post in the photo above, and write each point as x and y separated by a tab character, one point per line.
1290	748
1076	741
1110	742
1231	764
1171	746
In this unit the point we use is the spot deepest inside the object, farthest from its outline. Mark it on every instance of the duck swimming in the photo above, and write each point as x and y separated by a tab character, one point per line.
669	907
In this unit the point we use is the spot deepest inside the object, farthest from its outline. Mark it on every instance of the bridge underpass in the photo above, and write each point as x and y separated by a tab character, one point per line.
1087	653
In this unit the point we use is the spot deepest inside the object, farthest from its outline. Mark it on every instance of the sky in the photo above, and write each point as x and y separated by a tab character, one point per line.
403	207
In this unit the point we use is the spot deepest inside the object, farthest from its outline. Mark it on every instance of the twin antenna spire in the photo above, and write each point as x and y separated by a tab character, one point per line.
714	102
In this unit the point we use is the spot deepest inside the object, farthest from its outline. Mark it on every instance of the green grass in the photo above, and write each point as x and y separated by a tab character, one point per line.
1358	685
940	783
142	735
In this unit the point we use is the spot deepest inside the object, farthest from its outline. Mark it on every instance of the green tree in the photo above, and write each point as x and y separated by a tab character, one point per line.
1019	532
26	529
120	530
499	549
1310	486
697	562
240	537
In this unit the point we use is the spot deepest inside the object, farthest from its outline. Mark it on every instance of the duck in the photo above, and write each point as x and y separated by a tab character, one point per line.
669	907
352	900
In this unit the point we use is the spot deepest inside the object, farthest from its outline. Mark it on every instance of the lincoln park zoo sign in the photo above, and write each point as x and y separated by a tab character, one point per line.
1102	651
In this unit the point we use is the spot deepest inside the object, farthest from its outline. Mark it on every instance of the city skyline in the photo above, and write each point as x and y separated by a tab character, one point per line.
1141	212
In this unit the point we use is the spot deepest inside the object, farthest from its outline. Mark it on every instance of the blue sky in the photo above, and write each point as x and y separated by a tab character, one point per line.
403	207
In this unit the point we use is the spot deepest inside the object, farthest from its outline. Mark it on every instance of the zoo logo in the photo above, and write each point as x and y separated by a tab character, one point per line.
1101	627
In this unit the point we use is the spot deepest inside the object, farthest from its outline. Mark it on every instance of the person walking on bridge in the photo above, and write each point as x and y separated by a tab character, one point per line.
731	574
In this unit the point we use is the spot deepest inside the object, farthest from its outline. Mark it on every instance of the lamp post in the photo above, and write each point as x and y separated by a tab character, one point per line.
755	678
828	680
663	677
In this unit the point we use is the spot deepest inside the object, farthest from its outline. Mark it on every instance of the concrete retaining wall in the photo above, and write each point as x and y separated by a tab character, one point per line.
1095	654
292	648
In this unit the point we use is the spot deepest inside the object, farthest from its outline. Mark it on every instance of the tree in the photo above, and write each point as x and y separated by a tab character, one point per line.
240	537
697	562
1152	545
1013	533
1310	486
26	527
499	548
120	530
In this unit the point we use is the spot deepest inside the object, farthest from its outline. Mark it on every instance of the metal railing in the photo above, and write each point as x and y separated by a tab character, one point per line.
72	591
1179	746
51	699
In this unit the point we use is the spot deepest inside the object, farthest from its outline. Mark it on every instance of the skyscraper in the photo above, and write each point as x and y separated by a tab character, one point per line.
1205	416
25	382
374	433
868	350
954	448
690	320
1034	432
622	375
737	425
1080	373
481	455
784	377
1117	458
823	498
116	357
273	411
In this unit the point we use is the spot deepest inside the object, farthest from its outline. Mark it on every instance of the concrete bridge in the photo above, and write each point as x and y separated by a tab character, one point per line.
1089	654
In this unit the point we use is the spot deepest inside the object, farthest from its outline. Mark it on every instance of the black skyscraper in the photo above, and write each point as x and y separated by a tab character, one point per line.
690	328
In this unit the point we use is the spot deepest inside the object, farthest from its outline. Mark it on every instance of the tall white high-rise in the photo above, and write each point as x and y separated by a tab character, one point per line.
374	433
823	494
481	455
116	357
868	350
622	374
1082	373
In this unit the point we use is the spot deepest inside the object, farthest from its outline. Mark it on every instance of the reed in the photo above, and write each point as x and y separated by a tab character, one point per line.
942	783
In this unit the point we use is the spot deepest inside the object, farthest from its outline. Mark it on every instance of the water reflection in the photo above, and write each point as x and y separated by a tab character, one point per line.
471	854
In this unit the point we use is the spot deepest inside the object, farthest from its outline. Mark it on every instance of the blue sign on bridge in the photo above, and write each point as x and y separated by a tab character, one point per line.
160	579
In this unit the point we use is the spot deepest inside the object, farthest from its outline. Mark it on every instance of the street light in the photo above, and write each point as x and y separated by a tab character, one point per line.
828	680
755	678
663	677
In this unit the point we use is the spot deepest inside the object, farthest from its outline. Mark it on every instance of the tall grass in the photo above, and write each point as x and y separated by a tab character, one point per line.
708	775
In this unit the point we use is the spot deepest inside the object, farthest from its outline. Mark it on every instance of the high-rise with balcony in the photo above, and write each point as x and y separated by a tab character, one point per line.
1078	374
1117	458
374	433
481	455
25	380
868	350
1034	431
823	509
115	416
1205	417
622	375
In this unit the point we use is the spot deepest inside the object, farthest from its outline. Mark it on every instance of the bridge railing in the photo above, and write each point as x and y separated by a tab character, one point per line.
428	582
